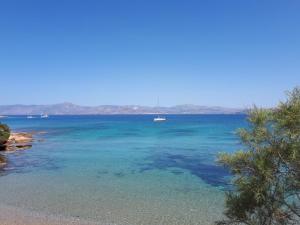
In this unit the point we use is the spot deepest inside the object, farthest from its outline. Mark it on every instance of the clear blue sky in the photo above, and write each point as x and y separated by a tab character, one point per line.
227	53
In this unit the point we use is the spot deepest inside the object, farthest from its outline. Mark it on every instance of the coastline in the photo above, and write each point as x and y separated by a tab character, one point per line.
17	141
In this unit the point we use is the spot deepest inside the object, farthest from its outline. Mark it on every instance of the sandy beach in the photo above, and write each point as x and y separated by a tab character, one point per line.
15	216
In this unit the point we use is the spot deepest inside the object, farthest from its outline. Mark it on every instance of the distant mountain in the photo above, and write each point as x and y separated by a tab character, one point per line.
72	109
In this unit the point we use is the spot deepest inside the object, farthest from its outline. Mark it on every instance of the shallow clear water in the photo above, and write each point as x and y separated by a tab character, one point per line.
122	169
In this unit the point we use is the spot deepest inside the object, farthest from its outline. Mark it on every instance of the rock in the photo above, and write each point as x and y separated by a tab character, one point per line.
19	141
2	161
21	137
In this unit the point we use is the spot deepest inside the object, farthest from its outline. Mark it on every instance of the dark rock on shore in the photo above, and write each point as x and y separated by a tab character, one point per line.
2	161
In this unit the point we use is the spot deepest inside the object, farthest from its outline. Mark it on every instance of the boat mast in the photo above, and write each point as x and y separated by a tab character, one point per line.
158	106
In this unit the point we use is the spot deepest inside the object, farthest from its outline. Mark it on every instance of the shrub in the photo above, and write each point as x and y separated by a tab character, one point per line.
4	133
266	183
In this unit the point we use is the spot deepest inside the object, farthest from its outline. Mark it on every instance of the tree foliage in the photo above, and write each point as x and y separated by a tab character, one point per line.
4	133
266	173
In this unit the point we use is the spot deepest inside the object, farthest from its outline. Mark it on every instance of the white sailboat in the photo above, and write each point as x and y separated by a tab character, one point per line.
44	115
159	118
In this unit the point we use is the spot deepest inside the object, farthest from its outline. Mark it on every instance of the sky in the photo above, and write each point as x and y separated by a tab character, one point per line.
229	53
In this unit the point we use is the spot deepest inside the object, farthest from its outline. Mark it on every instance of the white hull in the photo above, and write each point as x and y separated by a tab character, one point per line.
159	119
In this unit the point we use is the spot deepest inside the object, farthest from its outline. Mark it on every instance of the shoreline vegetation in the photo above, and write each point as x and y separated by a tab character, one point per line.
266	172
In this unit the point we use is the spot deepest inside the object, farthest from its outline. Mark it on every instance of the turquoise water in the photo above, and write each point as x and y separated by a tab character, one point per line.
122	169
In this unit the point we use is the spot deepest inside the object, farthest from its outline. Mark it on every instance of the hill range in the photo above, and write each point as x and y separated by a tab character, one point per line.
72	109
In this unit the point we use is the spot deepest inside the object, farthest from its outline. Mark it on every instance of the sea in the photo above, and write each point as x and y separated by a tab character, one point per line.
122	169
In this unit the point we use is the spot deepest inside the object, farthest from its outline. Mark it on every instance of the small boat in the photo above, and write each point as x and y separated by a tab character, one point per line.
159	119
44	116
30	117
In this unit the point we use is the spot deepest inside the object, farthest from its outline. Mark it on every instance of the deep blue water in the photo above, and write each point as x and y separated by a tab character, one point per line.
123	166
